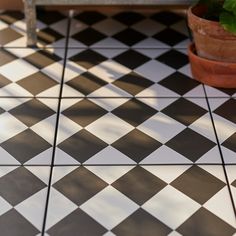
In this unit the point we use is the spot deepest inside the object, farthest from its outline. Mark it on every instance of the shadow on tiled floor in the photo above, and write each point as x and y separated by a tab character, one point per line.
104	132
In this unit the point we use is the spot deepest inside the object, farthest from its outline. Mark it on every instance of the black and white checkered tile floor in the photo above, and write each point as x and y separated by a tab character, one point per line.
104	132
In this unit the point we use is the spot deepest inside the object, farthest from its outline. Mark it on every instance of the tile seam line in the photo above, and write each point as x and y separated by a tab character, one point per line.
221	154
137	164
56	126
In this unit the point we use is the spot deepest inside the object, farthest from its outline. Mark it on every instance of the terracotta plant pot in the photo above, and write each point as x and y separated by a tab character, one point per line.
211	40
210	72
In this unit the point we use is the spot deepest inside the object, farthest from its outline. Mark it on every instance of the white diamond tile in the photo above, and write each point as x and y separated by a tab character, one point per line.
224	128
62	158
109	128
109	173
22	69
46	128
60	171
4	206
109	71
67	128
220	205
109	207
167	173
165	155
59	207
109	90
13	90
33	208
171	207
161	127
43	158
10	126
7	159
109	155
154	70
156	90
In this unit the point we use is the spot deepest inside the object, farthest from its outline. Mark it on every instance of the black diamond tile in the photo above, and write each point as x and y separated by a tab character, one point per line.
230	143
136	145
89	36
31	112
77	221
134	112
179	83
90	17
1	111
37	83
228	91
184	111
19	185
205	185
139	185
11	17
13	223
226	110
88	58
190	144
4	81
133	83
213	225
82	145
234	184
84	112
48	36
167	18
49	17
170	36
174	59
80	185
131	59
128	18
25	145
129	36
141	223
8	35
41	59
6	57
86	83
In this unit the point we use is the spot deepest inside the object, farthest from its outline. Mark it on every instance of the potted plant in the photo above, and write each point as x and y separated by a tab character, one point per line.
213	54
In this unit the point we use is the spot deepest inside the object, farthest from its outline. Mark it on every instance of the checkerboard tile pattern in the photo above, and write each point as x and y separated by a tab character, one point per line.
27	131
232	180
28	72
128	29
51	29
23	198
225	120
138	200
129	73
110	135
128	131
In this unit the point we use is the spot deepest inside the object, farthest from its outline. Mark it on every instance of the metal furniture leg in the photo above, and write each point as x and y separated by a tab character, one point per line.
30	17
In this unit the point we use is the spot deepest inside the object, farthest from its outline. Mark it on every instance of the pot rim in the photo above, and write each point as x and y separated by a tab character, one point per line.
207	27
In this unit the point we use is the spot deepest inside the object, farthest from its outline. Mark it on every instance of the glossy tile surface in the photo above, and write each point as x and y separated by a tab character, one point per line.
109	134
23	199
140	200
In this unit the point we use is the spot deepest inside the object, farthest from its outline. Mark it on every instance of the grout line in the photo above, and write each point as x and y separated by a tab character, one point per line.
134	164
221	154
56	128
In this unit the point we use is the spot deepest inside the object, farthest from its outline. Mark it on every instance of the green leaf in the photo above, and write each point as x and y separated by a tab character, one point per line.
228	21
230	5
